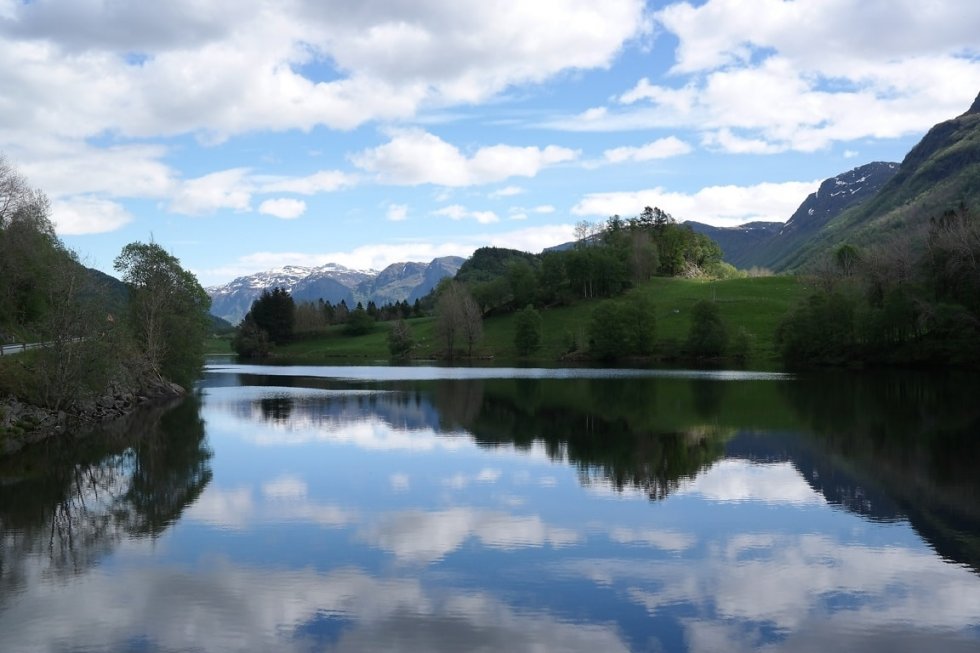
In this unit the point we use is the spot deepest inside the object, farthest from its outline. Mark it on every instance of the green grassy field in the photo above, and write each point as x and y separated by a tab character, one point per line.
755	305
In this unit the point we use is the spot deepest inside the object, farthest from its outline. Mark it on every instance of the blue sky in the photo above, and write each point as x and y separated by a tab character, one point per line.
244	135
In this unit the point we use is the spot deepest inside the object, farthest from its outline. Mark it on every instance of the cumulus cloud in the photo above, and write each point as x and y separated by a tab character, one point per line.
414	156
136	69
324	181
87	215
716	205
460	212
283	208
507	191
752	82
662	148
226	189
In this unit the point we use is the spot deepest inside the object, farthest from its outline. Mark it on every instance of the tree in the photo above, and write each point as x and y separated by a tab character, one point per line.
359	322
708	335
250	341
527	331
458	318
275	313
622	327
168	310
847	257
400	340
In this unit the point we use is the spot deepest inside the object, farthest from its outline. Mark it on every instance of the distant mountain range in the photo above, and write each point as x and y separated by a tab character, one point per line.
334	283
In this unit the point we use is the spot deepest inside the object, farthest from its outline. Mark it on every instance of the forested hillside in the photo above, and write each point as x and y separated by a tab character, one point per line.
102	342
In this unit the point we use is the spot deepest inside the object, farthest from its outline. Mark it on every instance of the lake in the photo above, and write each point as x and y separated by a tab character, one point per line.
453	509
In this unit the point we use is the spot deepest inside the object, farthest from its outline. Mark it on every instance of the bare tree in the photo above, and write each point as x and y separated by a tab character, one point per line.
14	191
458	318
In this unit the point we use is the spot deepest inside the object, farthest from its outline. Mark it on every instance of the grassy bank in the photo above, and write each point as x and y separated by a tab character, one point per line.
755	305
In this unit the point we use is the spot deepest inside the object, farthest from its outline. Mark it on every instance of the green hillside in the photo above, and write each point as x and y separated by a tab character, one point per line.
753	304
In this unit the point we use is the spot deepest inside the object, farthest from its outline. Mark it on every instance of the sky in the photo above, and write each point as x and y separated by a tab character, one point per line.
246	135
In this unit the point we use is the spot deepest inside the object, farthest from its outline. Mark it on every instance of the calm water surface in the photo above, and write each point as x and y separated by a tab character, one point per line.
429	509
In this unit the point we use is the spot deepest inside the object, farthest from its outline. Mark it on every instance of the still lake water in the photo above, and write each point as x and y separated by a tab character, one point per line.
429	509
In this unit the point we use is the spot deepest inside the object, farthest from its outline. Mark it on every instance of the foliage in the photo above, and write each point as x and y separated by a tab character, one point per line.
708	336
622	328
359	322
527	331
251	341
893	304
168	312
400	340
275	313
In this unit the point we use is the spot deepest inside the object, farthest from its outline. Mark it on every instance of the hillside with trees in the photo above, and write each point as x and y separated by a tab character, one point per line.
103	346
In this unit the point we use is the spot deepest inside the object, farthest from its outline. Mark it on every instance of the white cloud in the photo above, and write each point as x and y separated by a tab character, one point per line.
284	208
507	191
661	148
87	215
752	81
73	168
414	156
390	59
397	212
544	208
226	189
324	181
724	32
717	205
459	212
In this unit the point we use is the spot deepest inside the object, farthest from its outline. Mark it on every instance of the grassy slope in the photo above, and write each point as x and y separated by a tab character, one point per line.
755	304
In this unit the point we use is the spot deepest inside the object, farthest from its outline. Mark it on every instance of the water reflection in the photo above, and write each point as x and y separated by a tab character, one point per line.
610	510
64	509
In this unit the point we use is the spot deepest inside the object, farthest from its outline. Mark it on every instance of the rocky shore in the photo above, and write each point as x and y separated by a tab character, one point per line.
22	424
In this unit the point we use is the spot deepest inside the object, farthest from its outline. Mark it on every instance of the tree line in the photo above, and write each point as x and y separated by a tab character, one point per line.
911	300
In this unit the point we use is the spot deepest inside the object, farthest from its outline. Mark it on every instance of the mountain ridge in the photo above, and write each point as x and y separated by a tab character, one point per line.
769	244
403	281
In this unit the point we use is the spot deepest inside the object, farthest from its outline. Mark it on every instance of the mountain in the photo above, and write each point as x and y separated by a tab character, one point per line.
333	283
763	244
232	300
941	173
407	281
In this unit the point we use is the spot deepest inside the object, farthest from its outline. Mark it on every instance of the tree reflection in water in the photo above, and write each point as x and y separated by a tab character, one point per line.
66	507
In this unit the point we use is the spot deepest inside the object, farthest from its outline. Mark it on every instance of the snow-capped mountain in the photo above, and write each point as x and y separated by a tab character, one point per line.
333	283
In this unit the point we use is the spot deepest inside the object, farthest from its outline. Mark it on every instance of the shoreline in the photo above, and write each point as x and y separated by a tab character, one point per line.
23	424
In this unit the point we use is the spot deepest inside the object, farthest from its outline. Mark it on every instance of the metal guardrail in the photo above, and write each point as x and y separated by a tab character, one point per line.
8	350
